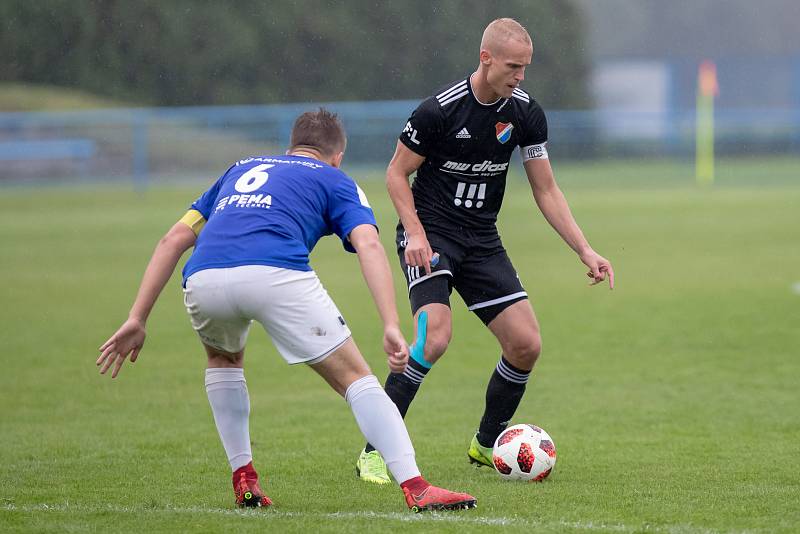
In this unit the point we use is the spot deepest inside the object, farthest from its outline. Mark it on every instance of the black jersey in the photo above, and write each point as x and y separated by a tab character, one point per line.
467	146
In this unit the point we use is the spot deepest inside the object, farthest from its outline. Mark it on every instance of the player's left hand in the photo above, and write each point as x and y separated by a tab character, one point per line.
128	340
599	268
396	349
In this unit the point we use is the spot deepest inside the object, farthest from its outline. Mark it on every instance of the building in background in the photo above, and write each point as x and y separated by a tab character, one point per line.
645	55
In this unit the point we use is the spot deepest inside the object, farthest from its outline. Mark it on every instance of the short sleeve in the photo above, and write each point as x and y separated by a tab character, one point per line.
205	204
423	128
533	144
348	207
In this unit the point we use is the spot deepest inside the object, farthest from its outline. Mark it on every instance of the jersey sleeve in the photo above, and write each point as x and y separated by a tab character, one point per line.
533	144
423	128
348	207
205	203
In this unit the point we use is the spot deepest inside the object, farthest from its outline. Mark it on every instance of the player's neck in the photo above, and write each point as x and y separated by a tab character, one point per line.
481	89
306	154
313	154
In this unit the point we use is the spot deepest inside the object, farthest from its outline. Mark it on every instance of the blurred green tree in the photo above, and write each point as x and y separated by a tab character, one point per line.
196	52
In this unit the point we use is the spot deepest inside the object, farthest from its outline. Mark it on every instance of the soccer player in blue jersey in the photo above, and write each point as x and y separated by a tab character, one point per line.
459	143
252	233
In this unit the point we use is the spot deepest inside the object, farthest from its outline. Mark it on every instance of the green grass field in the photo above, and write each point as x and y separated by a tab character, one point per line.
674	401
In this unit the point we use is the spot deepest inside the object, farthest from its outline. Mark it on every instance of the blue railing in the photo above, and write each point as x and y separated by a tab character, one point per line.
146	144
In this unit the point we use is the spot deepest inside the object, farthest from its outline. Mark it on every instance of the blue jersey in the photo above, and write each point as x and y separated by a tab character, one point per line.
272	210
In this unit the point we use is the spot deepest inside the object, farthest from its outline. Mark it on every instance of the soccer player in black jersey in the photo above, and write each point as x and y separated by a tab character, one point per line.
459	143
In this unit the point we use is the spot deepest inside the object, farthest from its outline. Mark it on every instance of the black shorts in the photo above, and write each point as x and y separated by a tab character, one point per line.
477	267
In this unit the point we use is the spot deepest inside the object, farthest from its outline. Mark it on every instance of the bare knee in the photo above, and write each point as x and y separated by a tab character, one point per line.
523	352
343	367
437	343
438	332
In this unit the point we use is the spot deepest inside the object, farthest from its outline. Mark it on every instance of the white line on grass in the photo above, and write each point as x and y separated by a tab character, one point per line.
445	517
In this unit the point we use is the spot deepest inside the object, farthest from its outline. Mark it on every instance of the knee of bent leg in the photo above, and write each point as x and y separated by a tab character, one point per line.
436	344
524	351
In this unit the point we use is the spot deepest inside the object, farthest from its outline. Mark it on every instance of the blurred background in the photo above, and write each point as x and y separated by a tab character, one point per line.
148	92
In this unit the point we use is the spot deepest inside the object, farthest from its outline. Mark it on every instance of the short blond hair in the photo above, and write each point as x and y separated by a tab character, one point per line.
500	31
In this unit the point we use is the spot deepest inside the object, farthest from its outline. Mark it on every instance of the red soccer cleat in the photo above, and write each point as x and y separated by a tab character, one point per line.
246	489
434	498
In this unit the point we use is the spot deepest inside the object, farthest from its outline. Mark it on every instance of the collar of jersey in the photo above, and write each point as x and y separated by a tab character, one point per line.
305	157
471	92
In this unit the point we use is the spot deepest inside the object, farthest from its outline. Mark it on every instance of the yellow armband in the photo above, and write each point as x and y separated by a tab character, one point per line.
194	220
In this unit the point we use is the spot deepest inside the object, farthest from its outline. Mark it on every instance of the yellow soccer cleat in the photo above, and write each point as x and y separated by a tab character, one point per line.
371	468
478	454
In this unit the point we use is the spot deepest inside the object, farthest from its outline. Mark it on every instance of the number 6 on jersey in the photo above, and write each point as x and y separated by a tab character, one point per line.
253	179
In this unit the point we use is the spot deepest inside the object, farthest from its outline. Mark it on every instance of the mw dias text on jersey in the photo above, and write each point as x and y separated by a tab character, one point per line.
272	210
467	147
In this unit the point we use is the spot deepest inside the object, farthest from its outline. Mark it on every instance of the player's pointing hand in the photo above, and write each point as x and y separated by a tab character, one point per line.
599	268
418	252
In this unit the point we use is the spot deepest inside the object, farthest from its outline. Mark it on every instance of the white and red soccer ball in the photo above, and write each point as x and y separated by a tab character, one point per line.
524	452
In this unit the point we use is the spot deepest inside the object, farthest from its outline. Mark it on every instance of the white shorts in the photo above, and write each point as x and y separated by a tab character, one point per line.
292	306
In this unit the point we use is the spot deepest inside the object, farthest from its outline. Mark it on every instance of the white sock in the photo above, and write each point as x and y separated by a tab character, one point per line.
230	404
381	424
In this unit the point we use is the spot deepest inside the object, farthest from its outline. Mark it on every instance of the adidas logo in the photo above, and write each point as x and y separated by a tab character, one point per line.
463	134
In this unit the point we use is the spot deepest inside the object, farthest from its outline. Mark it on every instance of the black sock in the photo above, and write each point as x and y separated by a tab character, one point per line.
503	395
402	388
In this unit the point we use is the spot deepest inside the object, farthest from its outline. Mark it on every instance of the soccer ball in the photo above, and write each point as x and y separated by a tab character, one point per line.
524	452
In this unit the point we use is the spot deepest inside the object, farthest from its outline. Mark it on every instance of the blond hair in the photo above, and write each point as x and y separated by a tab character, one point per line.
500	31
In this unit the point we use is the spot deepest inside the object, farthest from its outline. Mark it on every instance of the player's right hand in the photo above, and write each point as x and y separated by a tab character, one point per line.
599	268
418	252
128	340
396	349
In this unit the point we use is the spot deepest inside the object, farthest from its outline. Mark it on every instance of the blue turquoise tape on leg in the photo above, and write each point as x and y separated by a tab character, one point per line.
417	350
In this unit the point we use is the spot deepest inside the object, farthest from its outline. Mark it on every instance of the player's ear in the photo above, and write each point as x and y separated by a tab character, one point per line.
485	57
336	161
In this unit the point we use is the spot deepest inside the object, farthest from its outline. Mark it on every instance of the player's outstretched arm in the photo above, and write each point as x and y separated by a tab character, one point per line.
378	275
129	338
404	163
555	209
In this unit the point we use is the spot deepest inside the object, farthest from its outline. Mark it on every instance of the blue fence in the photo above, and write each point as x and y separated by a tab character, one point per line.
156	144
